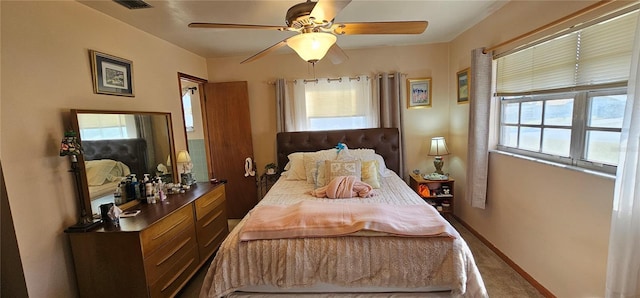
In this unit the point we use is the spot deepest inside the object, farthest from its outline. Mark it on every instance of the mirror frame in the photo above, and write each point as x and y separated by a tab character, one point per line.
203	115
83	177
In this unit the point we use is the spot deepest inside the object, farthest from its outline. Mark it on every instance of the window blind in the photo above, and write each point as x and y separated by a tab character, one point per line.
598	54
337	98
339	103
105	120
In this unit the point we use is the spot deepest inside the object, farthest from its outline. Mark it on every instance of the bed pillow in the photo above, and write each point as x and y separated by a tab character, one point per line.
311	162
104	170
335	168
370	173
295	170
362	154
319	175
382	167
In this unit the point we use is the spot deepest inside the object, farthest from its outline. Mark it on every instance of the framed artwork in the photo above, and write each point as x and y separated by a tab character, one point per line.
111	75
419	93
463	86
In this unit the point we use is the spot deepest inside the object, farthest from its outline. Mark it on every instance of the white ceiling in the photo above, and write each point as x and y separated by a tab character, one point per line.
168	20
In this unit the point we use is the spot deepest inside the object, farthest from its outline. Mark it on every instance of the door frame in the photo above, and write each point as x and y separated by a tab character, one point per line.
200	82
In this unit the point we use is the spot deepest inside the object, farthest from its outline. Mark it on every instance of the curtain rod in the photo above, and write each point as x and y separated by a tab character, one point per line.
569	17
329	79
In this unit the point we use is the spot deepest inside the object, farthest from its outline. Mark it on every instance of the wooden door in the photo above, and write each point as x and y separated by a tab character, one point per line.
229	129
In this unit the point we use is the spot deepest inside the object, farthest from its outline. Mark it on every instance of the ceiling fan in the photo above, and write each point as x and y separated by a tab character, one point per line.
317	31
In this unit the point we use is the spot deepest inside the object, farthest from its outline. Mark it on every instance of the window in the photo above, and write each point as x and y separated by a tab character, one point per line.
107	126
188	112
563	100
328	104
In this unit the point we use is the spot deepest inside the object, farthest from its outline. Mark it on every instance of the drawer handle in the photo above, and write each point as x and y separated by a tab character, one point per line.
173	252
214	238
209	202
169	229
167	285
212	219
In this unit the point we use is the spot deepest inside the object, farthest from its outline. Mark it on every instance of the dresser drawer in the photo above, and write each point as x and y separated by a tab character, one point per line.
165	257
169	283
210	201
211	230
168	228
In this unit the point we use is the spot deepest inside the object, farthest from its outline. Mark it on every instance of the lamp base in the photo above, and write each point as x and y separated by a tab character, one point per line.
438	163
83	227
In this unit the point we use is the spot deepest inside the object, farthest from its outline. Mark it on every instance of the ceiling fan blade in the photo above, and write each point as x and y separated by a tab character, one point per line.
234	26
408	27
336	54
265	51
326	10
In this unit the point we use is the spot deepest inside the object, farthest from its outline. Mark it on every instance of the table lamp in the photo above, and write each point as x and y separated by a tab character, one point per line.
438	148
183	158
70	147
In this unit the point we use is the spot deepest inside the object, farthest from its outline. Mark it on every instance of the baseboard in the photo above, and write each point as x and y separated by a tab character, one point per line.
509	262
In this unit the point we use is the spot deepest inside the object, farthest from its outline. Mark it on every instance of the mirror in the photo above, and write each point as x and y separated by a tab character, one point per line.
192	100
118	143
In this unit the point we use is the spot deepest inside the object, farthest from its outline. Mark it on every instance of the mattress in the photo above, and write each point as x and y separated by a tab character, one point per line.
347	266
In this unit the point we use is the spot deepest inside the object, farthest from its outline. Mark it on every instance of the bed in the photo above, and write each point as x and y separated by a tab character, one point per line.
108	161
367	263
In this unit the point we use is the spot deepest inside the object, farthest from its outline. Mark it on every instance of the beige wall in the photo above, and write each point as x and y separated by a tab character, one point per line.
46	72
542	217
415	61
553	222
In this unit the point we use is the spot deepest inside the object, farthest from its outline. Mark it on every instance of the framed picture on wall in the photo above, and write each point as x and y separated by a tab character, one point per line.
111	75
463	86
419	93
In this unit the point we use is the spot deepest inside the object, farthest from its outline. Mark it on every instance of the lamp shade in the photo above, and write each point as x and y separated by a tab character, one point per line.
438	147
69	144
311	46
183	157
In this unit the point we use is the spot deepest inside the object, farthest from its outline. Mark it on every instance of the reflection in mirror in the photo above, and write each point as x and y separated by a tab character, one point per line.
118	145
196	135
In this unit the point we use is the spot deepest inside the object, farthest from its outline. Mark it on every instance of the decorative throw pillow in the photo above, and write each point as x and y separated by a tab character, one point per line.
335	168
370	173
311	165
319	178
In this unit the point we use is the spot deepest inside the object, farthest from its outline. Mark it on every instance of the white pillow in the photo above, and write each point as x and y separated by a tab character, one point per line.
362	154
296	167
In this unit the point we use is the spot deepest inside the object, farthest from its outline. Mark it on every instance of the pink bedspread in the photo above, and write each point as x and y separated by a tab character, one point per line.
327	219
343	187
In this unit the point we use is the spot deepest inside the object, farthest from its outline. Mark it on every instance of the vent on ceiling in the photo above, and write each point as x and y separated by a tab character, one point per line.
133	4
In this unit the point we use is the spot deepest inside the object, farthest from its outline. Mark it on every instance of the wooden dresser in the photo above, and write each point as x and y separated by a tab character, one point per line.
154	253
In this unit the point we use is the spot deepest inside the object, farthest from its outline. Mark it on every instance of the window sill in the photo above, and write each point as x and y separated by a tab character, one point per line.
555	164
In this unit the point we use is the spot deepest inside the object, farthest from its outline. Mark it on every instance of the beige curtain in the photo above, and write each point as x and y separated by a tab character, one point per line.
479	128
389	90
284	106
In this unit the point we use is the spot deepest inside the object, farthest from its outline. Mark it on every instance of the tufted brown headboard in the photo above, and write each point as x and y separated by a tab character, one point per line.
385	141
131	152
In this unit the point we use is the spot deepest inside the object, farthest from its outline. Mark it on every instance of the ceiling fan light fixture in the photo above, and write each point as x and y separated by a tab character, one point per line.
312	46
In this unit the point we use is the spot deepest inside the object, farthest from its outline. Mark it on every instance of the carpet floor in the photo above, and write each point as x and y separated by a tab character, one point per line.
499	278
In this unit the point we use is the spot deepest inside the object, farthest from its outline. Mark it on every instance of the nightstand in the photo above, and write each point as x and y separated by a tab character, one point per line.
265	182
437	193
